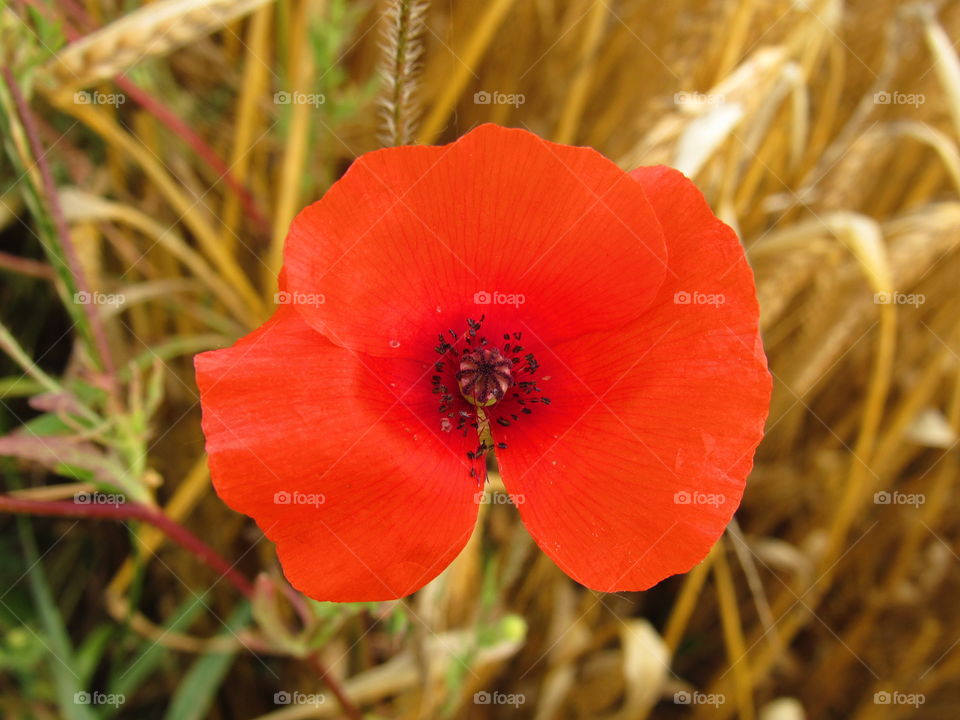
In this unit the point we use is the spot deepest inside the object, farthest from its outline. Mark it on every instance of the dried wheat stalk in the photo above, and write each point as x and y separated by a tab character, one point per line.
152	31
401	50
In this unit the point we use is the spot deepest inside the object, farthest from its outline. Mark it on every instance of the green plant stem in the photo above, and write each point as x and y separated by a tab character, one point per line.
60	223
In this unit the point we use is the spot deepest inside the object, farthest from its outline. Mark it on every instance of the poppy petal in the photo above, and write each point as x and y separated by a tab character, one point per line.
327	451
636	467
412	241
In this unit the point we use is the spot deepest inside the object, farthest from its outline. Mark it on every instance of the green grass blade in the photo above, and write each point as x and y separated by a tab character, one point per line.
198	688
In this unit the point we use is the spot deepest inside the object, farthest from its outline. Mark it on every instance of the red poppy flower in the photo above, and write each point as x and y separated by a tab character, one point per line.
598	328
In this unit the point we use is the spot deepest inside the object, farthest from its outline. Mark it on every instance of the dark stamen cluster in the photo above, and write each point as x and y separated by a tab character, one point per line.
486	374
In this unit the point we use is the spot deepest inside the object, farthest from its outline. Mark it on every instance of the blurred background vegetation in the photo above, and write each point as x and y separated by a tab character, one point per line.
154	154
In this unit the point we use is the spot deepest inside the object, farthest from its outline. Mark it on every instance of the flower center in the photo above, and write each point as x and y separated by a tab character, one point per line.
485	375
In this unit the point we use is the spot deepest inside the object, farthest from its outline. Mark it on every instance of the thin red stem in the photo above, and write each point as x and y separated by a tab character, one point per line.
26	266
75	11
133	511
60	223
348	707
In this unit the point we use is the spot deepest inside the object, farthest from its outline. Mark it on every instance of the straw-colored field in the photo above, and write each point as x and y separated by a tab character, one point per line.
154	154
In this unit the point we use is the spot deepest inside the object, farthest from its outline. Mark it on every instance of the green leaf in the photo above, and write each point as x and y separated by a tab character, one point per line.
62	664
19	386
47	425
198	688
91	651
